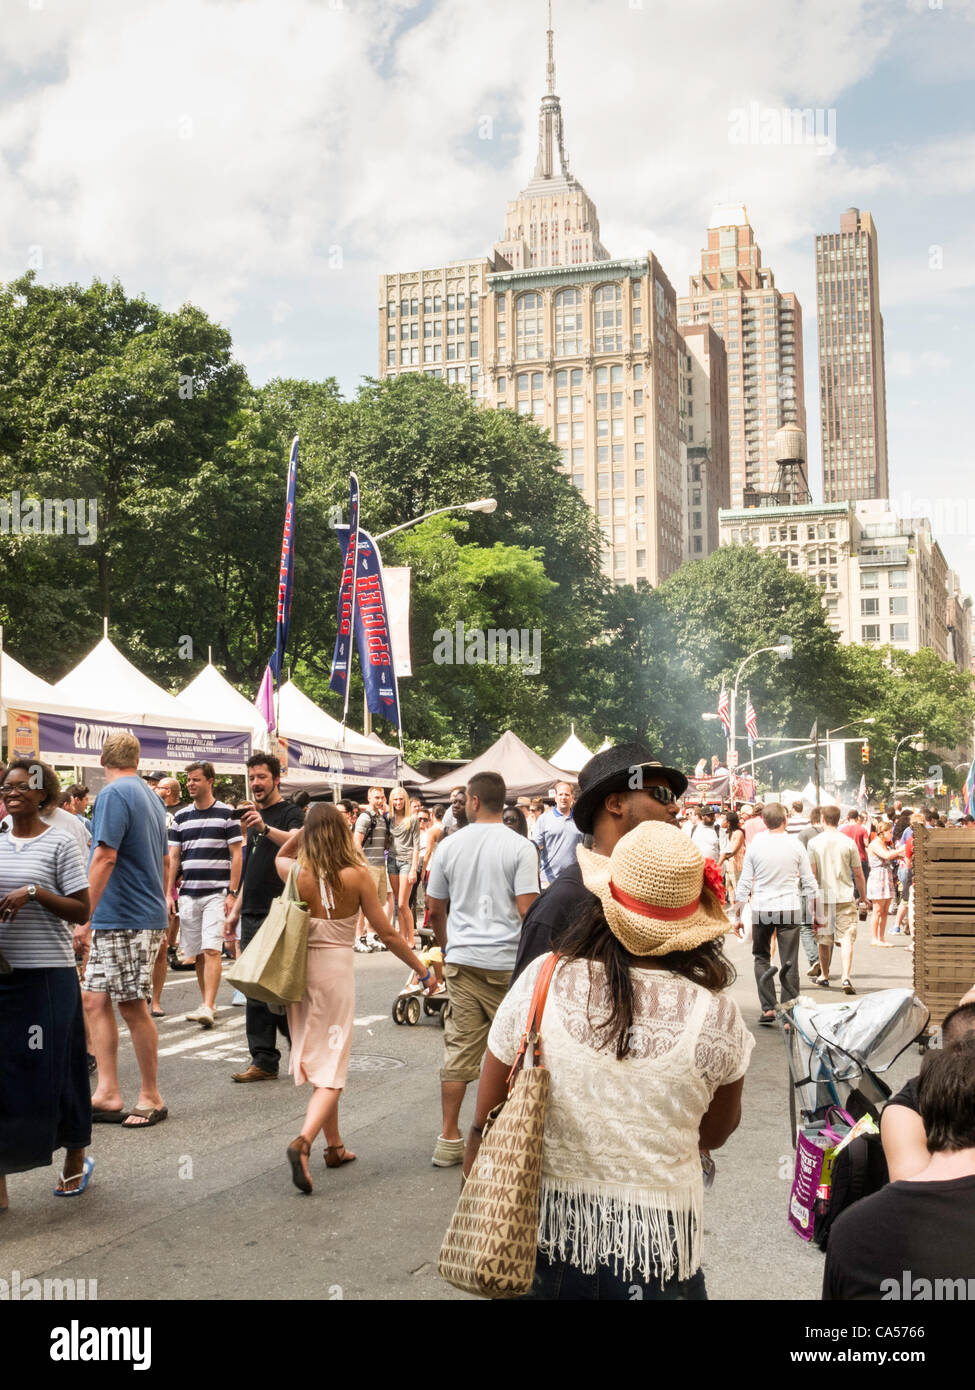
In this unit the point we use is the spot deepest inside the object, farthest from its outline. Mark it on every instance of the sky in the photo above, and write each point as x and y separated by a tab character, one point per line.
268	160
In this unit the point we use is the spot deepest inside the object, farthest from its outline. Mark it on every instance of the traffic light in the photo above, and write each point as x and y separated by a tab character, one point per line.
865	753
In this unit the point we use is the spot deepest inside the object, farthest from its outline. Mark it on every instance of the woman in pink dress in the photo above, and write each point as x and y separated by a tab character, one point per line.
334	880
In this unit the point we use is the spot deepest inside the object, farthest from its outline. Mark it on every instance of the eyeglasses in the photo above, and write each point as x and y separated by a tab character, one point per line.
662	794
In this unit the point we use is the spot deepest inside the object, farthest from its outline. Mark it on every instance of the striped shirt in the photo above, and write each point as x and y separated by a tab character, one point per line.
373	828
204	839
36	938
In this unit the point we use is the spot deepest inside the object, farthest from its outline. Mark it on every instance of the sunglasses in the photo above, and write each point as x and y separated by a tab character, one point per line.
662	794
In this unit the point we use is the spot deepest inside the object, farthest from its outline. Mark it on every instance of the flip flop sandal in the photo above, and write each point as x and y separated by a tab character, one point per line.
767	1019
81	1179
157	1013
108	1117
151	1117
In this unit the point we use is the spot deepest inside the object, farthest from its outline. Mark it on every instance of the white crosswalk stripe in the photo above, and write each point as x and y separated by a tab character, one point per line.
203	1037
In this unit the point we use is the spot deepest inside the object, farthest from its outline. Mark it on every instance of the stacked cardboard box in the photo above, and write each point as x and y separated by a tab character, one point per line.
944	917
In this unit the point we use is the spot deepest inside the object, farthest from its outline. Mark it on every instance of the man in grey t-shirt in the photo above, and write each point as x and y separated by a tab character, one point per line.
483	880
371	835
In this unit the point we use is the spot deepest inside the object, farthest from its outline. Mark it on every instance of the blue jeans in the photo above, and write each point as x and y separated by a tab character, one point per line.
557	1281
808	938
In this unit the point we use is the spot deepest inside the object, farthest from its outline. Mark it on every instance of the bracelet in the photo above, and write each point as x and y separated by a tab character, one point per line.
422	979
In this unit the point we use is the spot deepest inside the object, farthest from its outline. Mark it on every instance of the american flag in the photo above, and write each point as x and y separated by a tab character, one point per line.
724	709
751	724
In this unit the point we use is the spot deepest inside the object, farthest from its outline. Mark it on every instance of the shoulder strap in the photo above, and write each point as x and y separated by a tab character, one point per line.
532	1036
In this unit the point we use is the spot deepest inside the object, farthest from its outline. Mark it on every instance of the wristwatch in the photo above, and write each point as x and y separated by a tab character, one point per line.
32	891
232	892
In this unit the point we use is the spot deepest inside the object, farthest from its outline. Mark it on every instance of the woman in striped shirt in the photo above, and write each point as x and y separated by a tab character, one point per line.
45	1101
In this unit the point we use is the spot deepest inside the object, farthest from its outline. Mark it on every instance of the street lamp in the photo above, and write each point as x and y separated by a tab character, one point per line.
486	504
906	739
784	652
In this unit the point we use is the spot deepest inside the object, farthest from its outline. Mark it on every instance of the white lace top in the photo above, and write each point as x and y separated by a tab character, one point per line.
621	1169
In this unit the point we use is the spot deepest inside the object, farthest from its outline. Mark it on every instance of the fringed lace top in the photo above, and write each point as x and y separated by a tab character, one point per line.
621	1169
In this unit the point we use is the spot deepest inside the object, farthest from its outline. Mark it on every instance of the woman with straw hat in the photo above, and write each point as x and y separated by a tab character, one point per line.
647	1057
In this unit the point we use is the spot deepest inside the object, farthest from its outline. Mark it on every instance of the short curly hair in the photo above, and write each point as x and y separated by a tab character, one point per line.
50	781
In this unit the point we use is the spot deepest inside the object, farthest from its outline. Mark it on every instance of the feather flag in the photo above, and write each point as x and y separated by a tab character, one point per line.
286	569
862	797
724	709
751	723
265	699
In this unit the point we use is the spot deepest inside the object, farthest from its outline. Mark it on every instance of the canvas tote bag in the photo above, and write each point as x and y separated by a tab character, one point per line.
492	1241
274	966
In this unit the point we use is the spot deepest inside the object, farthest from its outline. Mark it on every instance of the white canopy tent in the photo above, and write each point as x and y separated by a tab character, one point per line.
18	686
211	693
321	756
572	757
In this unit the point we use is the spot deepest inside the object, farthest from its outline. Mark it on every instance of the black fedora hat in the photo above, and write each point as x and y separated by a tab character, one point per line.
613	771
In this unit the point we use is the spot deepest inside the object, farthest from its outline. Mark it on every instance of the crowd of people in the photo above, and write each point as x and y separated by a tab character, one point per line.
647	1049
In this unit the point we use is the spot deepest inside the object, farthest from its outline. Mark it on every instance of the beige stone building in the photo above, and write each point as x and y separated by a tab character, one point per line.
550	326
761	327
704	423
883	578
853	393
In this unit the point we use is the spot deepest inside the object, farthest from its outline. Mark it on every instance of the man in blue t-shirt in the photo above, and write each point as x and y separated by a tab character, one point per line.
557	835
128	920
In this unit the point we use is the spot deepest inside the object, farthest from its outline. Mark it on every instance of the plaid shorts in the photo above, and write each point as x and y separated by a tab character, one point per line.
120	963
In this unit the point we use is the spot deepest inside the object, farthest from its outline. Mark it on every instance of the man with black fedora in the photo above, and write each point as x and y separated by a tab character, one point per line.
618	790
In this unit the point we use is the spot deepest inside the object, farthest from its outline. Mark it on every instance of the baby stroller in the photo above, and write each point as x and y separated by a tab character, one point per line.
837	1051
411	1002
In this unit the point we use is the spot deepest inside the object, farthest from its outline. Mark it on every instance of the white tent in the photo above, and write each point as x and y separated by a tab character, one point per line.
606	743
321	757
572	756
298	715
212	695
17	685
107	681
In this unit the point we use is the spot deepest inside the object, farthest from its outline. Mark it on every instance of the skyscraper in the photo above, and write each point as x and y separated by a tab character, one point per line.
852	388
762	331
551	326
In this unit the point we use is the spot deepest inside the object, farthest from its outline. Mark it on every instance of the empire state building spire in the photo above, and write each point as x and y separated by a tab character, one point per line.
550	133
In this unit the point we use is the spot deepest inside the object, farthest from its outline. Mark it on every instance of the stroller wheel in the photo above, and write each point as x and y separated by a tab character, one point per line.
412	1011
429	1009
399	1009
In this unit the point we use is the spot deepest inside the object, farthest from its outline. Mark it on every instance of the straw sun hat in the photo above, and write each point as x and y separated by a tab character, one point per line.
654	891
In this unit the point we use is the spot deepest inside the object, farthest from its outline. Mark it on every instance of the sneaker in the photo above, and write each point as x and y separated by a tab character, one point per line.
362	945
448	1153
813	972
239	1000
205	1016
373	942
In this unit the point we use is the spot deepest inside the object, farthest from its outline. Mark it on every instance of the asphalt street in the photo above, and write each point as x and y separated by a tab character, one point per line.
202	1206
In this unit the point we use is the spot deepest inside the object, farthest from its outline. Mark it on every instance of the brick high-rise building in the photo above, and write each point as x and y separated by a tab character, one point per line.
550	326
853	395
762	331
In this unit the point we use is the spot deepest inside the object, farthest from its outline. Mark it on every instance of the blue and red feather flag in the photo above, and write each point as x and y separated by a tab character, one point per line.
372	633
751	722
342	656
286	570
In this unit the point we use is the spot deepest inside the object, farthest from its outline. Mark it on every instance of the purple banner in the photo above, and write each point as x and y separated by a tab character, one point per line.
68	739
340	763
342	658
372	629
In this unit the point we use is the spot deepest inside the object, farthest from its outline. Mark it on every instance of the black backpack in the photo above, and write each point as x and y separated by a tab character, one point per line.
858	1170
373	822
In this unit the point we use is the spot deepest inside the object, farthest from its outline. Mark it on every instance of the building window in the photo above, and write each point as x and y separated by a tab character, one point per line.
522	381
502	383
870	632
529	326
640	477
639	451
641	559
568	323
391	358
602	454
898	607
897	579
602	400
578	405
899	632
870	579
576	377
608	310
696	545
639	424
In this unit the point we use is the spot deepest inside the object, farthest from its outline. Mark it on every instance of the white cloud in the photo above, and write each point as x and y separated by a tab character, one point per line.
909	364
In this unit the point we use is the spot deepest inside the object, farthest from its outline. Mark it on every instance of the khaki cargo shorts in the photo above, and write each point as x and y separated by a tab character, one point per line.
475	996
841	920
380	880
